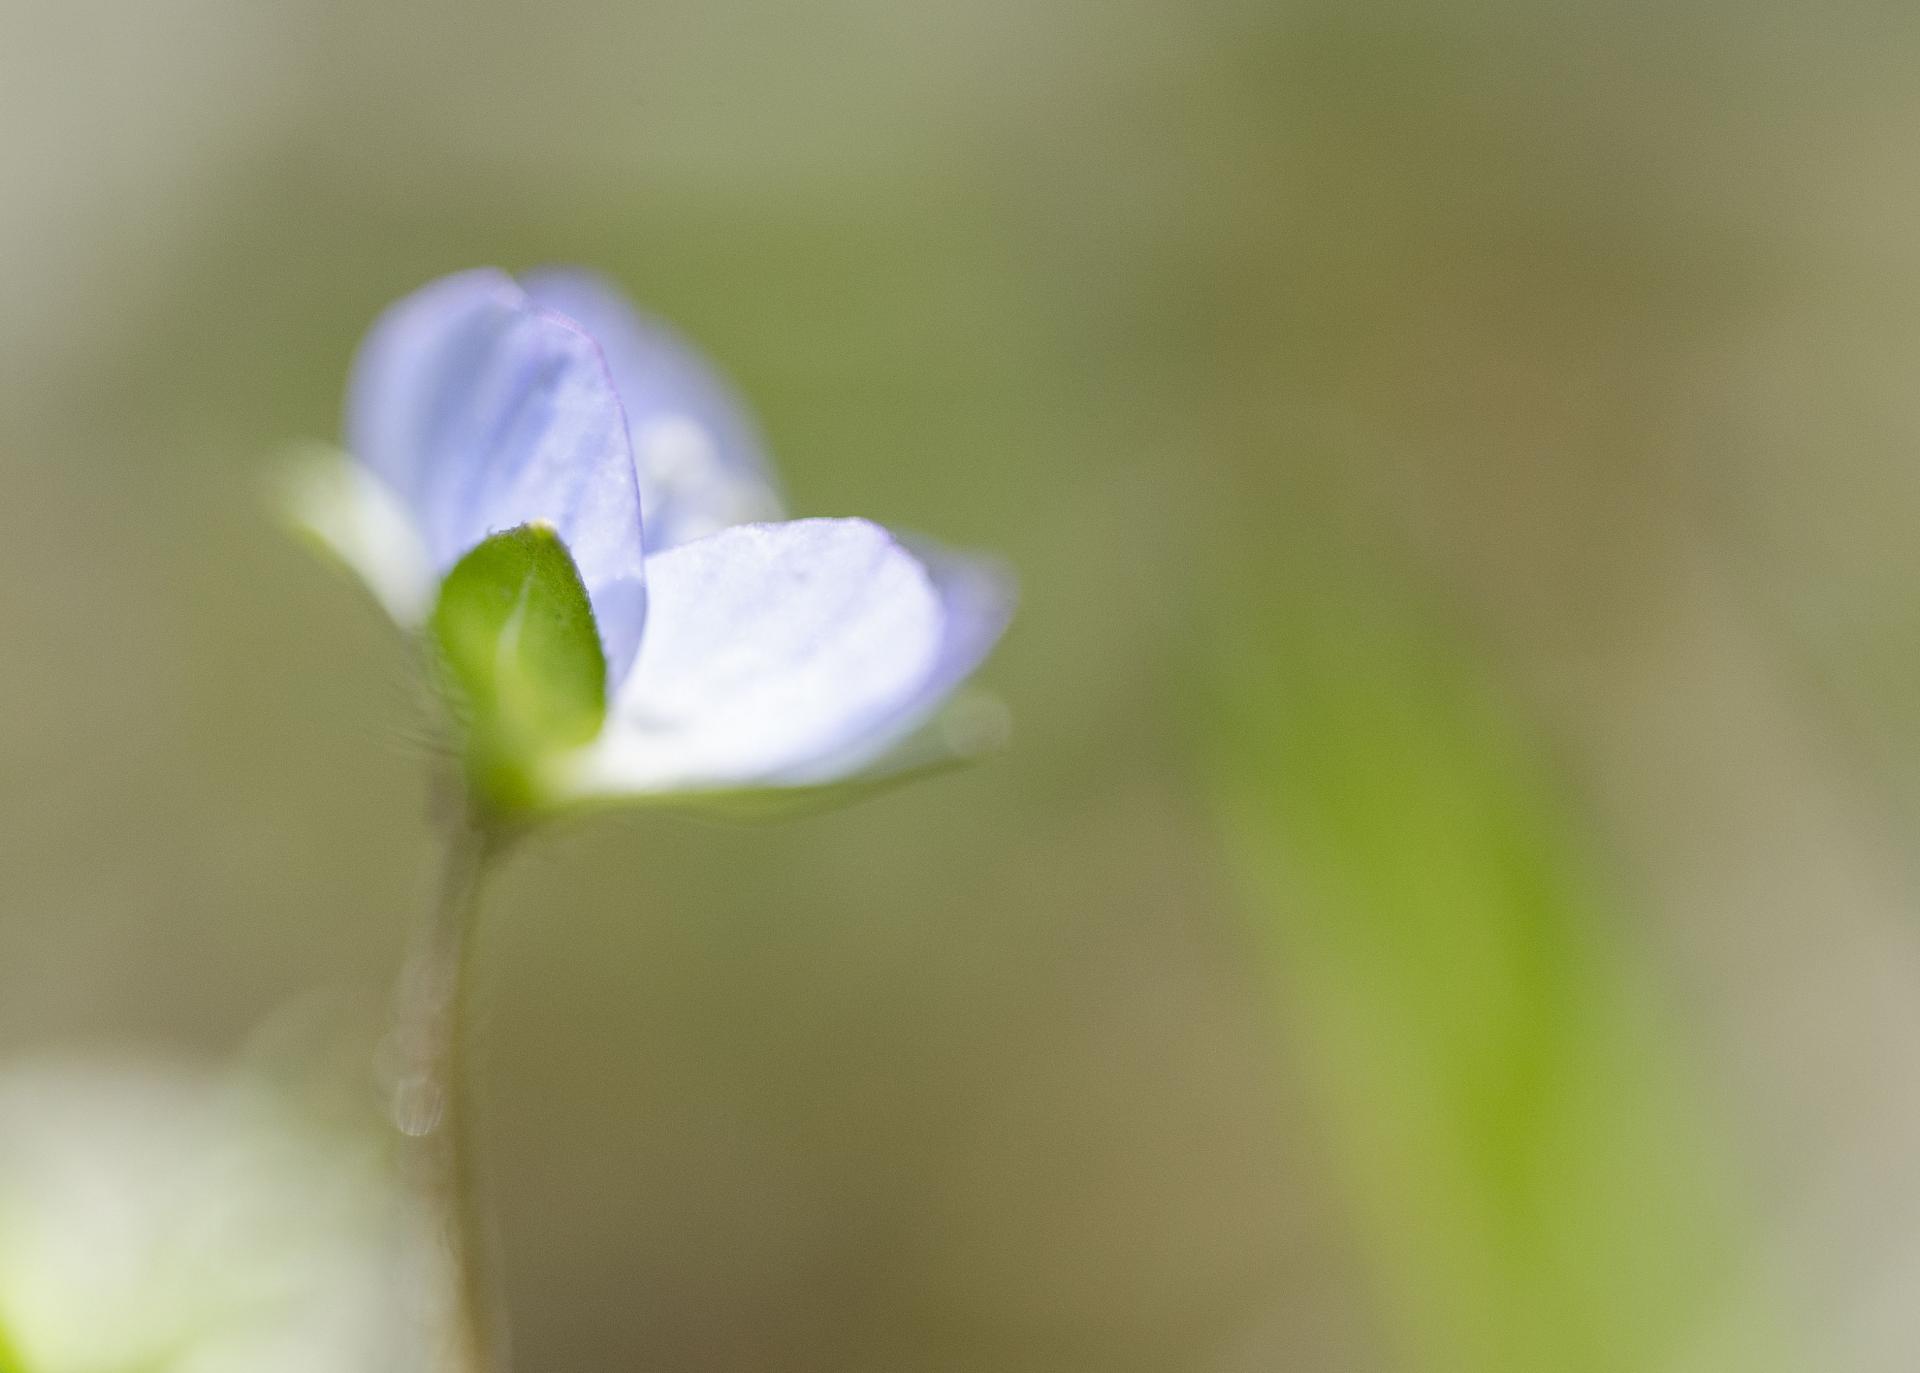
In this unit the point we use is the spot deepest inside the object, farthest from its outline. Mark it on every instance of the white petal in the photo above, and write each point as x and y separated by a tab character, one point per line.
769	648
362	523
976	601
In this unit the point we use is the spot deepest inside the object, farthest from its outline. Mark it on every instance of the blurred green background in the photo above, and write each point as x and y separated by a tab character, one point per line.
1449	900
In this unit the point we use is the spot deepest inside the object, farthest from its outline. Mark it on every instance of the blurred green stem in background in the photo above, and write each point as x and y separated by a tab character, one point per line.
433	1099
10	1361
1512	1106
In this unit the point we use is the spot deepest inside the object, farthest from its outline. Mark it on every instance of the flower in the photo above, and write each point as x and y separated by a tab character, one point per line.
733	651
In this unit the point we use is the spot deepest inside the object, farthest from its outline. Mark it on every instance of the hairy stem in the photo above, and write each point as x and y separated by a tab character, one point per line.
433	1097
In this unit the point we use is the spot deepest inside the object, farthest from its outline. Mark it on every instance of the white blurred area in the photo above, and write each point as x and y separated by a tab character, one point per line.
159	1215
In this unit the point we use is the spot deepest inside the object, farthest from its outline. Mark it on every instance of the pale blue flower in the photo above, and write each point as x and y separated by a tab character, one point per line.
743	651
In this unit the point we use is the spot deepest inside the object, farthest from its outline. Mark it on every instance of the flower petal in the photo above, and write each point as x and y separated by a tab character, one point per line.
785	655
977	598
482	412
353	516
702	465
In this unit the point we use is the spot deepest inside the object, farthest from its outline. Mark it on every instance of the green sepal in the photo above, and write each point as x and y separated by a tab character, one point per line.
521	662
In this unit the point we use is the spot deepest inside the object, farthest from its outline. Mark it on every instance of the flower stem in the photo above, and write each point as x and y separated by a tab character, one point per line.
433	1096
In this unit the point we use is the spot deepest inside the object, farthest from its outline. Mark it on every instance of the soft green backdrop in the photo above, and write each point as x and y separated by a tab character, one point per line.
1448	903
